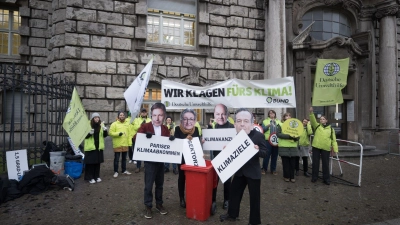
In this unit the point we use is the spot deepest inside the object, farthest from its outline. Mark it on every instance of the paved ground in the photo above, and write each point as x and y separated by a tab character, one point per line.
120	200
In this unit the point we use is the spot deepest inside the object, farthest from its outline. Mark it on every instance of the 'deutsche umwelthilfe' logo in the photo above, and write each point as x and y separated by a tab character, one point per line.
293	124
331	69
167	104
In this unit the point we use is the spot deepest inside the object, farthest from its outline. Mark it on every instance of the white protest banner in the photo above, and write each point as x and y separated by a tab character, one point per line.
234	93
234	156
17	163
76	150
193	153
157	149
216	139
135	93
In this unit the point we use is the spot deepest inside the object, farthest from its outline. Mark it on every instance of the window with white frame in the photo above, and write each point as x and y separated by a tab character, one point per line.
10	39
172	22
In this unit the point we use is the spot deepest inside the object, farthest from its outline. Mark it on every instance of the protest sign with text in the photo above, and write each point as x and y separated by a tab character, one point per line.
270	93
193	152
17	163
234	156
216	139
157	149
293	127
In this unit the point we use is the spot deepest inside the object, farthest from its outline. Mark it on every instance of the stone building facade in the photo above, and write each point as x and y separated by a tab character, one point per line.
103	44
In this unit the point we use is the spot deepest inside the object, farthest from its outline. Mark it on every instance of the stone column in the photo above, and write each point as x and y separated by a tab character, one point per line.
387	72
275	38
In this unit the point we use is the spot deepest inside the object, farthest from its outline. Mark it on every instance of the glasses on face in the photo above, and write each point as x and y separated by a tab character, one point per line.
191	120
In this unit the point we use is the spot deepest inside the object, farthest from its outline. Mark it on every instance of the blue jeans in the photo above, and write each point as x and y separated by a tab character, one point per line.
123	161
166	165
272	152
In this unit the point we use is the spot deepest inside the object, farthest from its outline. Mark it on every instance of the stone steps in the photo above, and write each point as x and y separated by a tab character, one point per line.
354	151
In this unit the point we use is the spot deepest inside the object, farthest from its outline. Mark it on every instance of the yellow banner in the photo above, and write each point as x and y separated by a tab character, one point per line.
330	79
293	127
76	122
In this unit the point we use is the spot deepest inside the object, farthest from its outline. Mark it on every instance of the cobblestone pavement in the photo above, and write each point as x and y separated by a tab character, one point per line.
120	200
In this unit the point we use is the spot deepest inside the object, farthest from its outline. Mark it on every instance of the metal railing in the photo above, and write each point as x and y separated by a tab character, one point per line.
33	107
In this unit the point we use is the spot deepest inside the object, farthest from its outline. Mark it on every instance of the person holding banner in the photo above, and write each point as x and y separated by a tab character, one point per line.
120	134
287	151
249	174
221	114
269	126
323	145
188	130
171	127
304	145
94	146
154	172
142	119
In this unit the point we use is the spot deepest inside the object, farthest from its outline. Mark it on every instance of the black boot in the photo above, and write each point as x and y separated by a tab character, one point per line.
306	174
182	203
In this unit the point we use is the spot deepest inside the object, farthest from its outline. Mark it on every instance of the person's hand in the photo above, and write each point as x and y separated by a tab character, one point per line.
171	138
149	135
189	137
203	140
256	147
120	133
144	121
104	128
91	131
311	109
294	138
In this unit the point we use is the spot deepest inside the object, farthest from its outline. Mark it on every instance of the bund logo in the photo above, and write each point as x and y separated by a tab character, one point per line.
269	100
331	69
293	124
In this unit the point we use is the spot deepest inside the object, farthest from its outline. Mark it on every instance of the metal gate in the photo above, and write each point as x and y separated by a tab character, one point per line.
32	109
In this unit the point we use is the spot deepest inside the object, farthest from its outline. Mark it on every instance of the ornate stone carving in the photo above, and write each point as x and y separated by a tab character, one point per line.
387	8
367	11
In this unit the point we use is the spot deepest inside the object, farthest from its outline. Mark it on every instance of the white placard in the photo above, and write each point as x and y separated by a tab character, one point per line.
216	139
193	153
157	149
234	156
76	150
17	163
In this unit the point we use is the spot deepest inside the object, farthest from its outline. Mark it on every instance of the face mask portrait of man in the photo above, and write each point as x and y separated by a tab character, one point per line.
220	114
244	121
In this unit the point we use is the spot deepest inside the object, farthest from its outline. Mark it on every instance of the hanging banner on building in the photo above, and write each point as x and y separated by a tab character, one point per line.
330	79
17	163
216	139
157	149
234	93
136	91
234	156
76	122
193	152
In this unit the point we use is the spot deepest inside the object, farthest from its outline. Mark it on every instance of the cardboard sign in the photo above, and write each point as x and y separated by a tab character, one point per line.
76	150
216	139
157	149
193	153
17	163
234	156
293	127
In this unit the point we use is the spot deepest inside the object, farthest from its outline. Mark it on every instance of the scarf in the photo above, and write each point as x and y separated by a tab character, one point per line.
188	132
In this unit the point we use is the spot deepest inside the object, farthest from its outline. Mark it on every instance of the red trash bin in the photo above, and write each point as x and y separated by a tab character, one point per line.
199	186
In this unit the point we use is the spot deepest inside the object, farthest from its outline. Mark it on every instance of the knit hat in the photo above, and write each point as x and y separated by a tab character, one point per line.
94	115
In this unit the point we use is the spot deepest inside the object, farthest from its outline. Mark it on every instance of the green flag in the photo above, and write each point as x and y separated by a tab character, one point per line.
76	122
330	79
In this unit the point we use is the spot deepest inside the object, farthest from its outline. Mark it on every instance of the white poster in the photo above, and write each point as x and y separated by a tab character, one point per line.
234	156
17	163
234	93
76	150
216	139
193	152
157	149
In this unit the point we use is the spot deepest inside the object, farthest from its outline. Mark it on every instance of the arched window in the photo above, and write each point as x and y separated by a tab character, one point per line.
329	23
